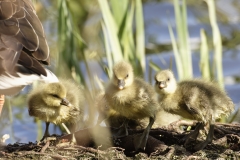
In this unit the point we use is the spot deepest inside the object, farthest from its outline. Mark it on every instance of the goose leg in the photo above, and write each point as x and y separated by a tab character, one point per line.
1	103
208	139
46	133
140	141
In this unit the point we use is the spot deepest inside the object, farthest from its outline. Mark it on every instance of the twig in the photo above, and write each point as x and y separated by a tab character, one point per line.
65	127
45	147
228	124
170	152
90	149
46	154
117	148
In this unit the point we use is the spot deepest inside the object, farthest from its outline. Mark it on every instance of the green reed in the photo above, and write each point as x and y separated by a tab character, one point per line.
120	39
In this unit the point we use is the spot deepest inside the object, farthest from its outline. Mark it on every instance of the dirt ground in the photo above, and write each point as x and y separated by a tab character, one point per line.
163	143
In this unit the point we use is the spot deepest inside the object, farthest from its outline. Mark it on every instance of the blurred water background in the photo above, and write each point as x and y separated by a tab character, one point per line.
157	15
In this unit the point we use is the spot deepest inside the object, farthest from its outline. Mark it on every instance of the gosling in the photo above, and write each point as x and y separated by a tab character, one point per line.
114	119
195	100
57	103
132	98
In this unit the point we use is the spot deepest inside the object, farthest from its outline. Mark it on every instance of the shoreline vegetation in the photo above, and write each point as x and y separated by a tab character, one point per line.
122	34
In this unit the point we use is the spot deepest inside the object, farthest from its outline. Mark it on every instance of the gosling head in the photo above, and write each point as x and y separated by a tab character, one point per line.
165	82
122	75
54	94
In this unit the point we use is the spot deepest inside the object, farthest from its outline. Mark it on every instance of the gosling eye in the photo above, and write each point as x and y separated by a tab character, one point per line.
54	95
168	79
126	76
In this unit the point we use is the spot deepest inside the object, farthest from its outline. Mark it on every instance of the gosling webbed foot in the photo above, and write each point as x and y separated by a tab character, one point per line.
140	141
48	138
188	139
200	146
122	130
207	141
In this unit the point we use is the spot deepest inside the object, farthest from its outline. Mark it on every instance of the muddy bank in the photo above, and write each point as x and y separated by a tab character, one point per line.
163	143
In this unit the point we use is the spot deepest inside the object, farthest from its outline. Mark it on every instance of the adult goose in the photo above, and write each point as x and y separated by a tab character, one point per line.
23	48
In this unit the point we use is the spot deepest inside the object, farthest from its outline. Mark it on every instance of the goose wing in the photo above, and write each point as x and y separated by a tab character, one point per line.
21	32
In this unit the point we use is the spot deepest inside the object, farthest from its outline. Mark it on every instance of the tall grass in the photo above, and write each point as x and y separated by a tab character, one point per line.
120	38
217	42
67	37
123	36
181	45
71	47
204	57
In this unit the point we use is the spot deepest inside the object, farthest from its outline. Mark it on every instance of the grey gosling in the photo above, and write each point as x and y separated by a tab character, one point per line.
132	98
195	100
57	103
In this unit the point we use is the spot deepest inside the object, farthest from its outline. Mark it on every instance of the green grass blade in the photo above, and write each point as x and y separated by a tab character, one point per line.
118	10
154	66
112	30
126	34
176	54
186	47
140	44
108	52
183	42
204	57
67	40
217	41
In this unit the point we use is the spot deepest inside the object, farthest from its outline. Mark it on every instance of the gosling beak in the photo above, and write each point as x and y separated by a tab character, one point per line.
162	84
66	102
121	84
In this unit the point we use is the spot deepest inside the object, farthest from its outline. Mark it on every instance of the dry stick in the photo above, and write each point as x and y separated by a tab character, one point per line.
227	124
47	154
117	148
65	127
89	149
45	147
170	152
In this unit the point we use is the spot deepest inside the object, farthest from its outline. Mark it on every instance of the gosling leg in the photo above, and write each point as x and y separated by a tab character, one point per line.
1	103
123	129
140	142
46	133
208	139
193	135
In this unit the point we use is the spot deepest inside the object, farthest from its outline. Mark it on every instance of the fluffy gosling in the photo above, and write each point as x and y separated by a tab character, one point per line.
57	103
112	118
132	98
195	100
